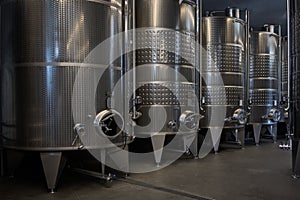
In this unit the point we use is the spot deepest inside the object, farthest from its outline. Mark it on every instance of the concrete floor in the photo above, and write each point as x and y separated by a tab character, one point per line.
249	174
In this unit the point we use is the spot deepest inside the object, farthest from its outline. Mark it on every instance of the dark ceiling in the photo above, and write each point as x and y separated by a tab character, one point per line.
261	11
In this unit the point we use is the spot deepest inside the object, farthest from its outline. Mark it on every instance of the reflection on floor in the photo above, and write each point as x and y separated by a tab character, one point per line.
252	173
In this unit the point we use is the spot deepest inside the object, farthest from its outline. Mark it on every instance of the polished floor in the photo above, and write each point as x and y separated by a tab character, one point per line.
252	173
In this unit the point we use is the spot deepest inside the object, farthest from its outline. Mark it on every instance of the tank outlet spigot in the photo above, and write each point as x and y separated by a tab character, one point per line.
136	116
286	115
190	120
239	116
109	123
79	129
274	115
172	124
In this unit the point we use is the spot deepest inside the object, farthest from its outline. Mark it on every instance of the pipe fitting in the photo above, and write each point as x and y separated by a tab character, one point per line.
274	115
190	120
240	116
109	123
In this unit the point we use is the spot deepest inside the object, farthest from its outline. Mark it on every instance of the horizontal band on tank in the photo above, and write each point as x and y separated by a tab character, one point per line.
265	106
274	90
167	66
223	127
222	44
164	133
264	78
262	105
225	73
62	64
238	87
166	82
264	54
156	29
218	105
159	105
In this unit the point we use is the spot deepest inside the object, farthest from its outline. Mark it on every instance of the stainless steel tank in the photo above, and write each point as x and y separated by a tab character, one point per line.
225	56
264	80
166	68
294	72
284	79
46	42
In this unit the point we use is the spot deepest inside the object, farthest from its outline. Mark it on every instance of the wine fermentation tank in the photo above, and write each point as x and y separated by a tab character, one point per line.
166	59
46	42
225	50
294	72
264	82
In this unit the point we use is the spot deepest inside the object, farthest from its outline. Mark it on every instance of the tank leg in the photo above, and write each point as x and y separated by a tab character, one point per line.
240	136
273	131
190	142
14	159
53	164
296	159
120	159
256	131
1	162
158	144
103	161
215	133
206	145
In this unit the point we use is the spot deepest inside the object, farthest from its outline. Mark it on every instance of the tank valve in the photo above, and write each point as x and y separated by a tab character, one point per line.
190	120
286	115
239	116
109	123
79	129
273	115
172	124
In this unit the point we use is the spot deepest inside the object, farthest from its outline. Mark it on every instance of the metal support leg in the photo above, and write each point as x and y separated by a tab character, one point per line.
273	131
53	164
190	141
256	132
158	144
240	136
296	159
103	161
120	158
216	133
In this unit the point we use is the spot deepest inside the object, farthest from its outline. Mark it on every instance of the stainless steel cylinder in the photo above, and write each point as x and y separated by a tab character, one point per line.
295	68
294	77
46	41
224	43
284	79
165	63
263	77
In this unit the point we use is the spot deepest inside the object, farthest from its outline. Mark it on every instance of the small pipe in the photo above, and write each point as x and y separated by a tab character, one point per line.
199	35
247	54
289	55
134	110
279	62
